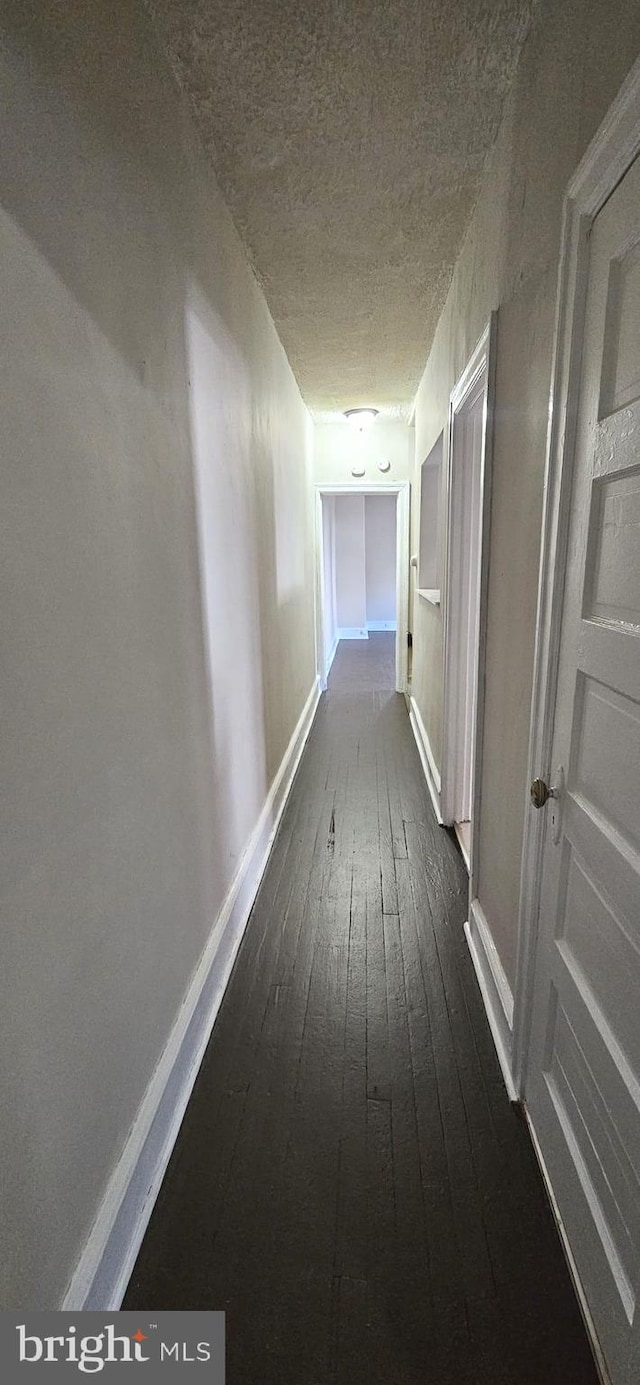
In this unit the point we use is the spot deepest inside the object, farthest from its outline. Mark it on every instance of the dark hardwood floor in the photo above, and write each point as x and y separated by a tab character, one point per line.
351	1183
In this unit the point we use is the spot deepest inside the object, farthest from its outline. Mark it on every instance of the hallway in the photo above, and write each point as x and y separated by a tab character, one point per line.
351	1183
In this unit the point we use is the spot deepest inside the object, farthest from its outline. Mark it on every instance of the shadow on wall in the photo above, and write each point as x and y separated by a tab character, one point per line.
135	762
109	863
252	493
89	219
281	448
220	421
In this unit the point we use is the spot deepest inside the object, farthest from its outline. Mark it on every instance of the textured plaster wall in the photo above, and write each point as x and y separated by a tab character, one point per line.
149	689
329	596
572	65
380	556
337	447
351	584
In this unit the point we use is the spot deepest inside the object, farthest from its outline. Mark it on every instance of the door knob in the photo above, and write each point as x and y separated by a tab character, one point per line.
540	792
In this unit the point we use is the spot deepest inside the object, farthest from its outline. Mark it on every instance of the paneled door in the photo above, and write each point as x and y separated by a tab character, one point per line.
468	501
583	1082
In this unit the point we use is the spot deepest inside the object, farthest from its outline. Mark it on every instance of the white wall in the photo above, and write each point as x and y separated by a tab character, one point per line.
351	589
329	576
339	446
153	671
365	560
429	478
380	557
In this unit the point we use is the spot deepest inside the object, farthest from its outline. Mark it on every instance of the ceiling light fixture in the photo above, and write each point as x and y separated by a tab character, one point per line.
361	418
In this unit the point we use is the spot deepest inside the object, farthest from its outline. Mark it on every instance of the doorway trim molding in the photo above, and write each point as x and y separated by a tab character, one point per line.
402	492
607	159
482	359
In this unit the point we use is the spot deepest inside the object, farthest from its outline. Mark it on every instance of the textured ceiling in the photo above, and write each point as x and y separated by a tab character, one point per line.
348	137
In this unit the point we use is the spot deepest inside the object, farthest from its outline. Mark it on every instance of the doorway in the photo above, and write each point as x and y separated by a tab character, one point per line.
577	1044
362	569
465	590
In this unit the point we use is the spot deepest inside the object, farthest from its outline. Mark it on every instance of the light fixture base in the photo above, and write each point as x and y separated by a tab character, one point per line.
361	417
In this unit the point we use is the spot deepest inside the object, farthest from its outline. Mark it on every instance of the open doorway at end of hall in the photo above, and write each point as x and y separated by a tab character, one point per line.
362	570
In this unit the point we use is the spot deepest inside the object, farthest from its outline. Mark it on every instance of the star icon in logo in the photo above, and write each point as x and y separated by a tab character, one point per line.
139	1336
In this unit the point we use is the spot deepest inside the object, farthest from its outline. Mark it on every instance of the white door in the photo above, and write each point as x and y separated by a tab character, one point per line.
467	441
583	1083
468	499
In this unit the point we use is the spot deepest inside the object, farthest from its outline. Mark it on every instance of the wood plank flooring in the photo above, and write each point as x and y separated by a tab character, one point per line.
351	1183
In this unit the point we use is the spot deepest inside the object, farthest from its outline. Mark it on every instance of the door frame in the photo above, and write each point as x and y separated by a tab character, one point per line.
609	156
402	492
482	359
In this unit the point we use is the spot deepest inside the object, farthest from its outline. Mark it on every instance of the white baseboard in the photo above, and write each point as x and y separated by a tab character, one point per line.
431	771
332	656
103	1271
464	850
355	632
382	625
496	991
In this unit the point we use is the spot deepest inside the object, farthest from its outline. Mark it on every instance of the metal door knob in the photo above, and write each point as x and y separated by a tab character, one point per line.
540	792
